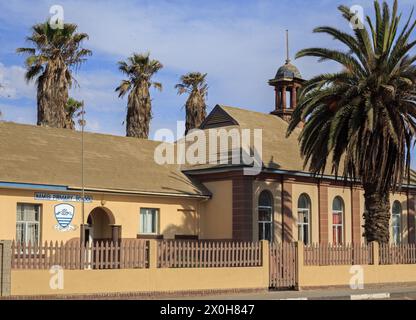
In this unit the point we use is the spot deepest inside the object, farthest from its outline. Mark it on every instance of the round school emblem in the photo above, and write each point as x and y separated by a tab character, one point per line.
64	213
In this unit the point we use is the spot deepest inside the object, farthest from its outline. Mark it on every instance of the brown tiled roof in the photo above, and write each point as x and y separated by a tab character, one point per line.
279	152
39	155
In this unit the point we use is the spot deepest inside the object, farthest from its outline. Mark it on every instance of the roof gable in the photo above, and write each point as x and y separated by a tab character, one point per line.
218	118
278	151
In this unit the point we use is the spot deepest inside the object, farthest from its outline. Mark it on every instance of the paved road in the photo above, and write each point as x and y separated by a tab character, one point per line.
385	293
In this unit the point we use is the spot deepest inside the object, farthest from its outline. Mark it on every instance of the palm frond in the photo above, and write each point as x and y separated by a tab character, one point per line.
361	119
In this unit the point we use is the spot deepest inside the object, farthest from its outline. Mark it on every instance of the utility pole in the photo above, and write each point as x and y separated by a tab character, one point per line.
82	175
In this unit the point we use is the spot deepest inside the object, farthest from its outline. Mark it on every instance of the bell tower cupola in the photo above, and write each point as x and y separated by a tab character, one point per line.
286	83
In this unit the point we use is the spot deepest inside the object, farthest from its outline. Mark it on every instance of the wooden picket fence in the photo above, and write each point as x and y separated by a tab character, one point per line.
73	256
331	254
397	254
208	254
283	273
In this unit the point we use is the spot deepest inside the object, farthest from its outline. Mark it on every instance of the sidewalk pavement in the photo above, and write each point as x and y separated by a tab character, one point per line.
392	292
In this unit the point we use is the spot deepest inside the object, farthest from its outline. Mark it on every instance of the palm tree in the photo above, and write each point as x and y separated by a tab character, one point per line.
362	120
194	84
139	69
55	53
73	110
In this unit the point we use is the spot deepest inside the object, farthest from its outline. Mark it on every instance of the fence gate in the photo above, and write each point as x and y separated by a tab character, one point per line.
282	266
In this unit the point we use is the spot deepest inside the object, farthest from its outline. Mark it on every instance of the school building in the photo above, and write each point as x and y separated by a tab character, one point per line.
129	196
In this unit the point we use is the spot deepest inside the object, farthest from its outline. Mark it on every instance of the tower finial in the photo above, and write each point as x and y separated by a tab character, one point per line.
287	47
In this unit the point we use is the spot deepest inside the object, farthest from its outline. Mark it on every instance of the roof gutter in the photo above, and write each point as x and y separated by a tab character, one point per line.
31	186
142	193
60	188
328	177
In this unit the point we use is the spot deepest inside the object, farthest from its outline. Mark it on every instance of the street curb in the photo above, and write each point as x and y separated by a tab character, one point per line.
352	297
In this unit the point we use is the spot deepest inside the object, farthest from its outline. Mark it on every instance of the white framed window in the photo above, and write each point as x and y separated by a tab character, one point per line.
265	216
396	217
304	215
149	220
28	223
338	221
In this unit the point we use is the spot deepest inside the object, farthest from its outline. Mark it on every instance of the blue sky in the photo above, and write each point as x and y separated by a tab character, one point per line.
240	44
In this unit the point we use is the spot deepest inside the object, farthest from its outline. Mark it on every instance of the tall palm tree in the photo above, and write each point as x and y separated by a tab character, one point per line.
196	109
139	69
362	120
51	60
73	110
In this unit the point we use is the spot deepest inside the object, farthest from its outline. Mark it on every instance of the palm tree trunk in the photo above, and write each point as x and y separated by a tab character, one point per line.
52	96
376	215
139	113
195	111
190	118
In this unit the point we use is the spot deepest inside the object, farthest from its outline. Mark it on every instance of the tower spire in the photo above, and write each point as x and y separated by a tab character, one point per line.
286	83
287	47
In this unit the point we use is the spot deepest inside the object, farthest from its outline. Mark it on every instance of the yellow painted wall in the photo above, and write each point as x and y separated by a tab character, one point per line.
318	276
276	190
211	219
312	192
345	194
216	214
177	215
36	282
152	279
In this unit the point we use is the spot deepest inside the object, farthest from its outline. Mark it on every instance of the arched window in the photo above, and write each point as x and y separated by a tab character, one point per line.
304	216
265	212
396	221
338	220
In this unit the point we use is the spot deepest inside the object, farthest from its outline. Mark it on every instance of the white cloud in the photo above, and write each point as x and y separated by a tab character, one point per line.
14	85
239	52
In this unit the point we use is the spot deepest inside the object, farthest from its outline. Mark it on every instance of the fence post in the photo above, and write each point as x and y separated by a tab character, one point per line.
265	251
152	254
376	252
299	264
5	267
